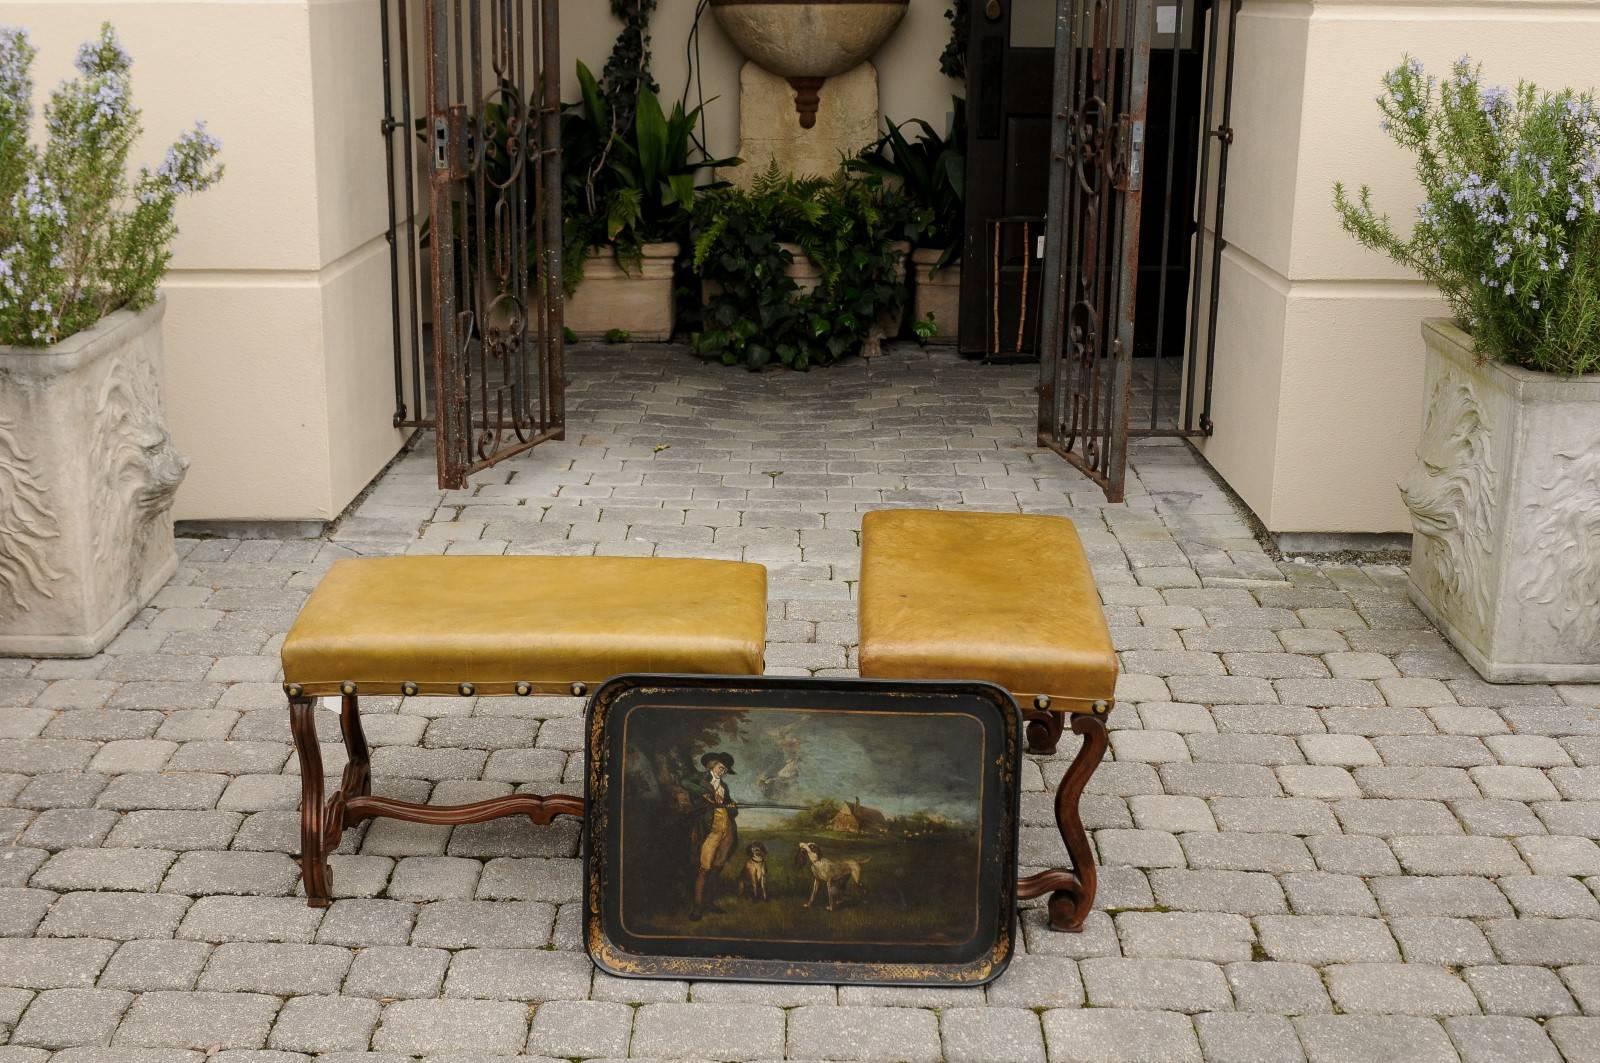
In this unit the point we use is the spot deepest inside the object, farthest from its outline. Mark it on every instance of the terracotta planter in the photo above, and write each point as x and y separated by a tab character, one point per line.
1505	502
87	477
937	292
622	295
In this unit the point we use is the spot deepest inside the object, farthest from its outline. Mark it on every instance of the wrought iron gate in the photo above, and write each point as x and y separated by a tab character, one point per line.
491	148
1092	234
1093	247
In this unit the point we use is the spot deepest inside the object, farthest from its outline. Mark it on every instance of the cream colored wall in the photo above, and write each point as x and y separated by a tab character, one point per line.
277	334
909	82
1318	393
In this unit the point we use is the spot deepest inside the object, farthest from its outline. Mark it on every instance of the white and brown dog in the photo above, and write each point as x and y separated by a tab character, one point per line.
754	875
837	875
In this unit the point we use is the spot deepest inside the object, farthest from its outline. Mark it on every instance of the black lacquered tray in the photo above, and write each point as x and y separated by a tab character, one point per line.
810	830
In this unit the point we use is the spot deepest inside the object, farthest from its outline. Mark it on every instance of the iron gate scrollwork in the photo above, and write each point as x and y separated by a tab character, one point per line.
493	145
1092	234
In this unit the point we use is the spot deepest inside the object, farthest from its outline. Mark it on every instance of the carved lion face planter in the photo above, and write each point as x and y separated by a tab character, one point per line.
1505	503
87	477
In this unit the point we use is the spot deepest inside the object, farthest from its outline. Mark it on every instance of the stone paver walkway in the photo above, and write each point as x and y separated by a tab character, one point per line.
1322	837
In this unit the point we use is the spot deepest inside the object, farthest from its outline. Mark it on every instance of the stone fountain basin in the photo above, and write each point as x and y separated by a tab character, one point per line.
808	38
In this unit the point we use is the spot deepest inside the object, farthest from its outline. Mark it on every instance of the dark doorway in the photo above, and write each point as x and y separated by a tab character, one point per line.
1010	63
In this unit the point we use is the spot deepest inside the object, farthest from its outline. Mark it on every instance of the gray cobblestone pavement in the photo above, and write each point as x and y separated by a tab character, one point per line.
1323	837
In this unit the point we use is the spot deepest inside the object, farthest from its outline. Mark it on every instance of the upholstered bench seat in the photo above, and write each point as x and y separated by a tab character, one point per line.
523	625
1004	597
486	626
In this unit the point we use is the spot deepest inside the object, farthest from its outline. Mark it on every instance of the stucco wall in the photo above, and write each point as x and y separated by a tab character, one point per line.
277	336
1318	393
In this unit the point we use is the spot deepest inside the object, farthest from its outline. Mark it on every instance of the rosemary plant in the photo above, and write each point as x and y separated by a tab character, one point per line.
77	238
1509	227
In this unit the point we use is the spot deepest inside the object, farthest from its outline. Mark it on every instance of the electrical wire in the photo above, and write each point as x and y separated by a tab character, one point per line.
693	76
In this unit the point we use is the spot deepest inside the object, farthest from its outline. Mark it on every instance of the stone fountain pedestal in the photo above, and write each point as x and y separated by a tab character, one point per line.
808	98
846	122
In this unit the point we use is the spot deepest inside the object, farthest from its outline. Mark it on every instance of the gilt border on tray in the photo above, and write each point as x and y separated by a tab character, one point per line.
801	830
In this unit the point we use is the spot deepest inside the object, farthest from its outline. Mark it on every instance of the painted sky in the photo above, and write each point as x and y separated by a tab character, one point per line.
898	763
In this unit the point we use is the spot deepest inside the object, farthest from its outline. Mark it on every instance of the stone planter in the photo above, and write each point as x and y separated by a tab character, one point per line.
87	476
1505	501
937	292
619	295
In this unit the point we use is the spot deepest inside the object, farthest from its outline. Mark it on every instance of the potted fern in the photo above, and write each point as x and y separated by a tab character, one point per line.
87	470
1505	495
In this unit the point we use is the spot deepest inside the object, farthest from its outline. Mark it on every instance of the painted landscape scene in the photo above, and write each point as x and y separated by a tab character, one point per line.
801	825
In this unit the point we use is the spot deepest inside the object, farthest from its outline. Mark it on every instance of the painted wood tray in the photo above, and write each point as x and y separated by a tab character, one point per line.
806	830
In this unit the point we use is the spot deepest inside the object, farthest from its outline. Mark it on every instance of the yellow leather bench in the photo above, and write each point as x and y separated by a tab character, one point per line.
1008	598
1004	597
496	626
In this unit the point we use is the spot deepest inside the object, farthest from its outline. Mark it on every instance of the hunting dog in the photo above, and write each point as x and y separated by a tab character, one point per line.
754	875
837	875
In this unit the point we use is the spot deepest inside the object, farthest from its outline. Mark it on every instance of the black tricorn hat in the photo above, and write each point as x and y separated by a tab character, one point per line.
726	760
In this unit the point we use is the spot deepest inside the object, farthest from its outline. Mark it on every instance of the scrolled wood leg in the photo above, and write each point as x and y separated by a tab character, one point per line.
1044	730
358	769
313	837
1072	892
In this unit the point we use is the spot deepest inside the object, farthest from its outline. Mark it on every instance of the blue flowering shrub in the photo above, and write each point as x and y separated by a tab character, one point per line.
1509	230
78	237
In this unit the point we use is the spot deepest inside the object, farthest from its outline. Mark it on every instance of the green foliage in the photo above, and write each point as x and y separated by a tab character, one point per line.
852	226
953	60
618	335
1509	229
932	171
78	239
817	815
626	75
925	329
624	189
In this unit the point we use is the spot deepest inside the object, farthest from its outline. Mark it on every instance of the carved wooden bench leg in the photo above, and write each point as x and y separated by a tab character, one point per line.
1072	892
313	812
1044	730
323	820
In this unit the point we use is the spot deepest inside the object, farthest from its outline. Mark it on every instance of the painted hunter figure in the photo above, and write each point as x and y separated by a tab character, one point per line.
714	834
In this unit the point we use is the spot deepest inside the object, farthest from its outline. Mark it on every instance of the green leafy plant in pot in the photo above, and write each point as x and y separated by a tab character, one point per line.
630	187
930	170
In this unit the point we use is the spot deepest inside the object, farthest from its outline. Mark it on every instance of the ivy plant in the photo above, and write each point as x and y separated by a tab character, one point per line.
853	226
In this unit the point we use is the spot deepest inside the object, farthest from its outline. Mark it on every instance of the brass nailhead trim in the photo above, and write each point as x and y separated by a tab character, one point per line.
1102	707
579	690
294	690
408	689
347	688
467	690
1042	701
524	689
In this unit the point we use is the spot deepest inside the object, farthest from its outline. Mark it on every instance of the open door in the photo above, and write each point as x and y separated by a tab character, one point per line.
1010	57
493	145
1091	252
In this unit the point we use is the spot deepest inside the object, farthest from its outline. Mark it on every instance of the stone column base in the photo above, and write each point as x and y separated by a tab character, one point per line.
770	128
